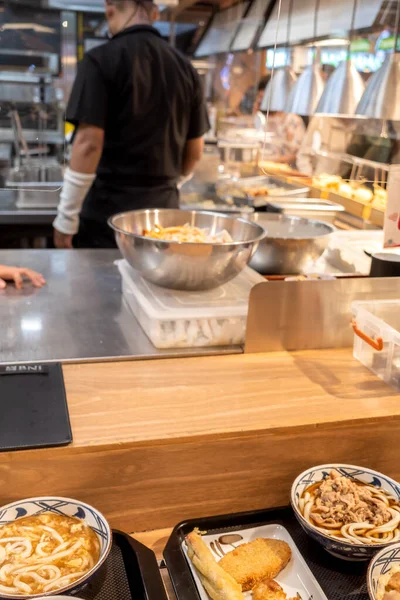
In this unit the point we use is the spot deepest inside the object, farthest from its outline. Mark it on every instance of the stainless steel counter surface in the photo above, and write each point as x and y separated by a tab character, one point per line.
78	316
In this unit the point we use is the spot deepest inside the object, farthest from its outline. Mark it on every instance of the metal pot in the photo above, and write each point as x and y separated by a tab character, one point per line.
385	264
290	243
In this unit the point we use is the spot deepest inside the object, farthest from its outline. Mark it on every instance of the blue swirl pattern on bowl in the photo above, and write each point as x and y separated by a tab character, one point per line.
70	508
313	475
381	565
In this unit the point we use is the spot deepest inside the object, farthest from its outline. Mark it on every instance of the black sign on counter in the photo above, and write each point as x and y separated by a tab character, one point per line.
34	411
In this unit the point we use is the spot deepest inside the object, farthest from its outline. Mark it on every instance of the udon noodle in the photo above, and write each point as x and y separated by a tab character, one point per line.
187	233
45	552
350	510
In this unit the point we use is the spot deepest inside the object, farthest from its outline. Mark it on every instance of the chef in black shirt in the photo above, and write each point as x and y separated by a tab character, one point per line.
139	113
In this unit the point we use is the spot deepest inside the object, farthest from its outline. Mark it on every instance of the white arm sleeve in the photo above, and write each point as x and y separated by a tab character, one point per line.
75	189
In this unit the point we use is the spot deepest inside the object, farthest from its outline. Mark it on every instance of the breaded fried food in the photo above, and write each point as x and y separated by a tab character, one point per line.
394	583
218	583
252	562
268	589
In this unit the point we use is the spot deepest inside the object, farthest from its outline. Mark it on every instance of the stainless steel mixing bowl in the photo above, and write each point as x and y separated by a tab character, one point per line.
185	266
290	243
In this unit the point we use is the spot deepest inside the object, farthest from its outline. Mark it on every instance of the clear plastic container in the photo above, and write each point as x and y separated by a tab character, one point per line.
174	319
377	340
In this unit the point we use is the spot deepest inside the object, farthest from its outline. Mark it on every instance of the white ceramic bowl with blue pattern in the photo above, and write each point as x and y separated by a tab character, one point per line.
345	549
380	567
70	508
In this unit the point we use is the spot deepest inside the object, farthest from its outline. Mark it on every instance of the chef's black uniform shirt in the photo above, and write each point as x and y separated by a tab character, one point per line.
148	98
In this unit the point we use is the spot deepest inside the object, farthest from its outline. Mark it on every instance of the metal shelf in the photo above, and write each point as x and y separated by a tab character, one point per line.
33	136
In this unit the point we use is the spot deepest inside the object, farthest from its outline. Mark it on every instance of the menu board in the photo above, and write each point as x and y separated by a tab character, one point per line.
334	18
222	30
26	29
275	29
250	25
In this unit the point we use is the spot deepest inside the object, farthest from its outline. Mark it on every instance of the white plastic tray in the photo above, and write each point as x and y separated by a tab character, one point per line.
295	579
174	319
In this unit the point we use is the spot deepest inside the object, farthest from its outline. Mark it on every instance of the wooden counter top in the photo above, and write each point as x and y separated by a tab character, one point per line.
156	442
158	400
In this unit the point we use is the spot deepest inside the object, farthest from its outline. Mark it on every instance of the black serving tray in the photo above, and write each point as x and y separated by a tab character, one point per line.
130	573
339	579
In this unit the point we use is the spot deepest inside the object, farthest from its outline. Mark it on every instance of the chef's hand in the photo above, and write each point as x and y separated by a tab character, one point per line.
62	240
16	274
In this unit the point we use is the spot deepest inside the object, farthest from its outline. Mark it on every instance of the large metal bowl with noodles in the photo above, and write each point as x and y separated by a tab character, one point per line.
183	265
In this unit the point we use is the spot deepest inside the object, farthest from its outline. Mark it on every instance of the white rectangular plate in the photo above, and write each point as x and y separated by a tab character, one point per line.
295	579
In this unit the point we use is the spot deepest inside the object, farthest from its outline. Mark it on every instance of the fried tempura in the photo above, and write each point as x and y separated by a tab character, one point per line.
218	584
261	559
268	589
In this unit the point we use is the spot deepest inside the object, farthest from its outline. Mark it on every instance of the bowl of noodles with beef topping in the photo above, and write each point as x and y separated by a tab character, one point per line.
353	512
49	546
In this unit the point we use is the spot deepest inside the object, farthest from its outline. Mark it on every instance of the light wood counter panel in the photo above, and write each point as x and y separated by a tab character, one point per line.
160	441
163	399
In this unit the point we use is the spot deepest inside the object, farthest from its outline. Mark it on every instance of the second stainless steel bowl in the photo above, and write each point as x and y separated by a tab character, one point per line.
185	266
290	244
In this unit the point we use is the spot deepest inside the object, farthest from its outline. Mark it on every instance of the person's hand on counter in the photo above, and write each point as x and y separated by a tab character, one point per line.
17	275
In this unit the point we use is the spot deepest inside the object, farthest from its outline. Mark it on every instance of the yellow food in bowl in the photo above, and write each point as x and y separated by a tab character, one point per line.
45	552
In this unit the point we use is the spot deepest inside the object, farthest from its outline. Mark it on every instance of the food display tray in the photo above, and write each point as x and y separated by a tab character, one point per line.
353	206
339	579
309	208
130	573
37	194
178	319
278	188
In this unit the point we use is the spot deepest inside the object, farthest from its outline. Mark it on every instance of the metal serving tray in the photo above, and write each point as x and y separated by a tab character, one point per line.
283	189
36	194
309	208
338	579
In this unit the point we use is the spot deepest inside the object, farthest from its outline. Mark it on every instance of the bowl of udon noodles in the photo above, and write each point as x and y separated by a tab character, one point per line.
383	576
50	546
353	512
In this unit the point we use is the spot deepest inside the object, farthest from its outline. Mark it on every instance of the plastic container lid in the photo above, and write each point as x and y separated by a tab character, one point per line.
228	300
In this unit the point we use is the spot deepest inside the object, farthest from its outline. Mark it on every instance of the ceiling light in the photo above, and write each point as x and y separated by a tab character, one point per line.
345	86
328	43
307	91
278	89
277	92
343	91
381	99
